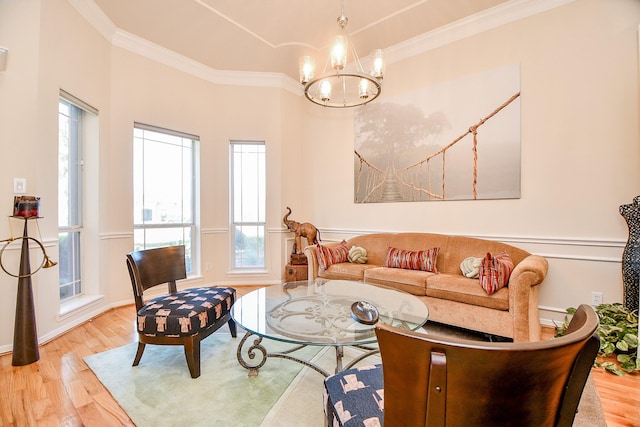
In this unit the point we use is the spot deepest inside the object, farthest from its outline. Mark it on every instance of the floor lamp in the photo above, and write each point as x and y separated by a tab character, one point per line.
25	335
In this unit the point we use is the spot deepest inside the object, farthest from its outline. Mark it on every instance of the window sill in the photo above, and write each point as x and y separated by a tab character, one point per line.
69	308
247	272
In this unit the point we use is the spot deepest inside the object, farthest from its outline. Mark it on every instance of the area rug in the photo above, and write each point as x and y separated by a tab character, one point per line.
159	392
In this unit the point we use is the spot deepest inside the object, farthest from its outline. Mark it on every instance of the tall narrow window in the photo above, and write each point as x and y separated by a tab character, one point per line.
248	204
72	115
164	190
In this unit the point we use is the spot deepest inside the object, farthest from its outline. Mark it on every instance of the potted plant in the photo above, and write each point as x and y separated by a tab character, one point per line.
618	332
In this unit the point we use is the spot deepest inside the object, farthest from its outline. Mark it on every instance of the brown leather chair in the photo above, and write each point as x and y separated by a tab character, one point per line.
183	317
430	380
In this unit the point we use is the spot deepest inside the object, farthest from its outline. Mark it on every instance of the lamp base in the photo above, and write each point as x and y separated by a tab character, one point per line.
25	335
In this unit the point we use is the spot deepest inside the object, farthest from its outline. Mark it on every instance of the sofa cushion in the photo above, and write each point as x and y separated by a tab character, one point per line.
375	244
328	256
412	260
420	241
494	272
470	267
411	281
458	248
345	270
357	255
459	288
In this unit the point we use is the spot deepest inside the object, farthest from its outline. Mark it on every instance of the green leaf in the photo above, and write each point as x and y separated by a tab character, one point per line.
613	368
627	363
607	348
622	345
631	340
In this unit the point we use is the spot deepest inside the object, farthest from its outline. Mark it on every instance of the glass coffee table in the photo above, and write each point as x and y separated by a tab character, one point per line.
318	313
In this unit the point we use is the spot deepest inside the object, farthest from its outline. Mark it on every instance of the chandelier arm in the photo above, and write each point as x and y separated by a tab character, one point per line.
359	66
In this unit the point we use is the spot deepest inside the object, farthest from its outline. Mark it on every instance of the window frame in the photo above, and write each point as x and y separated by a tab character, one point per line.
190	229
74	227
233	200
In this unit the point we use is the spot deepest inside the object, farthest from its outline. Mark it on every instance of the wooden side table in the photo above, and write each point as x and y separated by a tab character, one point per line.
294	273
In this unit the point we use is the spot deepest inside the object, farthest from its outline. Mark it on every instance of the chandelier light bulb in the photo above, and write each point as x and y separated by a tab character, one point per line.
377	63
307	69
363	90
325	90
339	53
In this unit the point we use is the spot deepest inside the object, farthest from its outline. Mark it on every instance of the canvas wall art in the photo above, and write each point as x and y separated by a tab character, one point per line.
458	140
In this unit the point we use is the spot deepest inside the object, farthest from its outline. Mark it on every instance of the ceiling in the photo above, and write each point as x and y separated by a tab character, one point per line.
270	35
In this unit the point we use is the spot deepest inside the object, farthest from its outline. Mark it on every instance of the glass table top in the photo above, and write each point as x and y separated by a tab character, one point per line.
319	312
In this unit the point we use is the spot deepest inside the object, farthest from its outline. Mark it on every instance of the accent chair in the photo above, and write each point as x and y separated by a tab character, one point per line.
431	380
183	317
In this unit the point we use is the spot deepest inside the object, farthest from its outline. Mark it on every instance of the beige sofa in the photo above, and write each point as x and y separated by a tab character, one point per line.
451	298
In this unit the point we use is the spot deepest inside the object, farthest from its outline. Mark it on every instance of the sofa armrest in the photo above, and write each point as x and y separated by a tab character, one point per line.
312	262
531	271
312	259
523	297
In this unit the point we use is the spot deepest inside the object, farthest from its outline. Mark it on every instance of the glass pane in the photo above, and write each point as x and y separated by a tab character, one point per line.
249	246
139	214
69	264
63	167
163	178
149	238
249	182
70	203
69	165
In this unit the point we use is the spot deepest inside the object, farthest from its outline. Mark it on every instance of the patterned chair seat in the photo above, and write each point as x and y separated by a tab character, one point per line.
185	312
355	397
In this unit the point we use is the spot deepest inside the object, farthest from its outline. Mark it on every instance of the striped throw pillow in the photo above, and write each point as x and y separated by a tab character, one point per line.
412	260
495	271
329	256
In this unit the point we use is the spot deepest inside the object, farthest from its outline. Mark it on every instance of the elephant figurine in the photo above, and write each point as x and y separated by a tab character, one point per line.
304	229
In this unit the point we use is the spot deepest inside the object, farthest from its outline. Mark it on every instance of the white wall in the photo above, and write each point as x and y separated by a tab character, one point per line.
580	150
51	47
579	139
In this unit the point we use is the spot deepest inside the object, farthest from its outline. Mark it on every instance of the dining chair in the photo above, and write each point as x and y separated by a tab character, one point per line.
180	317
432	380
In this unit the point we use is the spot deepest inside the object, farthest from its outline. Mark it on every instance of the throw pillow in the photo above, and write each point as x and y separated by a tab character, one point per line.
495	271
329	256
412	260
470	267
357	255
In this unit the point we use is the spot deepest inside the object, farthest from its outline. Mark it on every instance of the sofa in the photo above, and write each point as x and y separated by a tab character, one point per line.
451	297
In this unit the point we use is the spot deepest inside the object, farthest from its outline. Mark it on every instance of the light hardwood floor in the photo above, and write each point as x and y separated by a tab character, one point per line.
60	390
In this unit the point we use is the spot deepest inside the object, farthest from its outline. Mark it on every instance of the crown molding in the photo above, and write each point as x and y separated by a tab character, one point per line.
497	16
172	59
95	16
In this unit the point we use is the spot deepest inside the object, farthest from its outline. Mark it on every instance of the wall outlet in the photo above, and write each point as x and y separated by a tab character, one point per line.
19	185
596	298
208	267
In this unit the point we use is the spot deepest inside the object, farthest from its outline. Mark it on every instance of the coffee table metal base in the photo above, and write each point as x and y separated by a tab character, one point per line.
255	350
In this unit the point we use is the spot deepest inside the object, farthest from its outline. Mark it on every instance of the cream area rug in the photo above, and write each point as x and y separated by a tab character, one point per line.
160	392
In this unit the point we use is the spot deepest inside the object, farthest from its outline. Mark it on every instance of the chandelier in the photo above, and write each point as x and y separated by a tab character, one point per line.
340	85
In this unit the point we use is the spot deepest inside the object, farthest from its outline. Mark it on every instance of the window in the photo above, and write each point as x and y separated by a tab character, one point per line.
164	189
248	204
72	117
